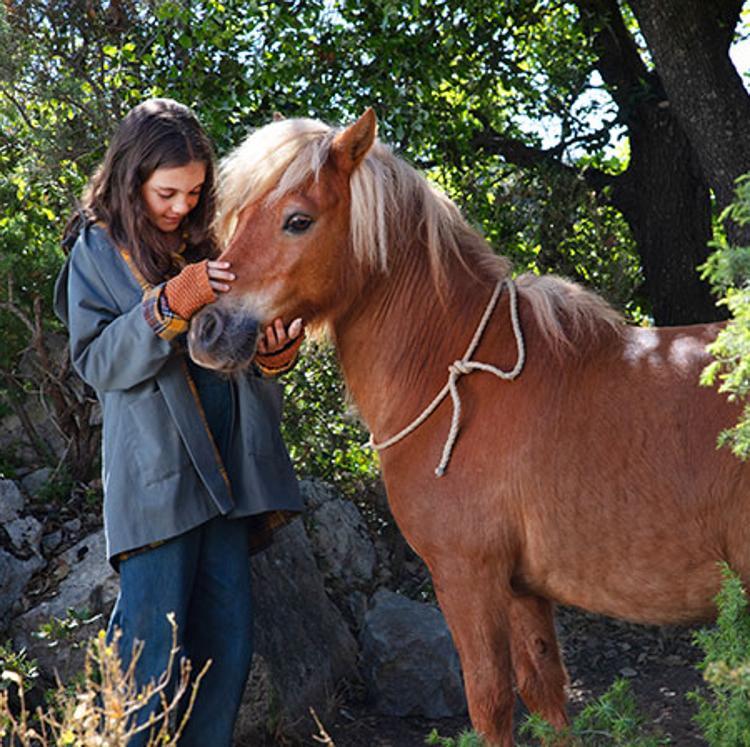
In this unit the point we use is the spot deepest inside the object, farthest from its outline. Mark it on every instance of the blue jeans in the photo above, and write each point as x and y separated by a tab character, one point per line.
203	577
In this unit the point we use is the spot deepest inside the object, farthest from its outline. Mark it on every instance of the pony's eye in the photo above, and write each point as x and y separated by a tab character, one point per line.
298	223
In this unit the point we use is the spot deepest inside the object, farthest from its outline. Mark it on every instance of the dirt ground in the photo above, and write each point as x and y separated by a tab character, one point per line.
659	662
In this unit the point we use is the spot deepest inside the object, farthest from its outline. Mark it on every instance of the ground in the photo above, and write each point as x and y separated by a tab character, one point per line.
659	662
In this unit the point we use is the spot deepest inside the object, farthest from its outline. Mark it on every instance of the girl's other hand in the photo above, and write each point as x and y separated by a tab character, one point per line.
277	336
219	275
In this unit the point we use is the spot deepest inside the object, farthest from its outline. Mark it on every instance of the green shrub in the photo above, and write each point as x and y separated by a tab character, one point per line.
728	270
724	713
612	719
324	438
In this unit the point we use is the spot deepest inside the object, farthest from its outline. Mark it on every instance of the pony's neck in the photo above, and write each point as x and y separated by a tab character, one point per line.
397	340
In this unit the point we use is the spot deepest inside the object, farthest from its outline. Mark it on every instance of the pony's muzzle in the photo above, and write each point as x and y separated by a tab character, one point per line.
222	340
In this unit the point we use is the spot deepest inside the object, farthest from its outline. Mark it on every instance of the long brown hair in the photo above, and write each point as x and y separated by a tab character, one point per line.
159	133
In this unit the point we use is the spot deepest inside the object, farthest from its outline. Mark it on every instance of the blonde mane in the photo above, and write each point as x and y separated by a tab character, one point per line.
391	205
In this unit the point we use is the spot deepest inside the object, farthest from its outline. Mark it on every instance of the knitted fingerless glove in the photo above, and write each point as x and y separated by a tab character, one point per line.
273	364
189	291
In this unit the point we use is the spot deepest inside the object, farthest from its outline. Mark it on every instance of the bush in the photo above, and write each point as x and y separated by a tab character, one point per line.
728	270
324	438
101	707
724	714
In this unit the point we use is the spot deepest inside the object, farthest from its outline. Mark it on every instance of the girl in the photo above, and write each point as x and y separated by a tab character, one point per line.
195	473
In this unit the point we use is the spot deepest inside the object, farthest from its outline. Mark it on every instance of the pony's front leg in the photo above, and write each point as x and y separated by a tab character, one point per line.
477	615
539	671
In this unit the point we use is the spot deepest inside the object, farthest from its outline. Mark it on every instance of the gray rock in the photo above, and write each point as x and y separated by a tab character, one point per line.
73	526
11	501
51	541
316	492
408	659
25	534
89	587
14	575
300	636
34	481
342	544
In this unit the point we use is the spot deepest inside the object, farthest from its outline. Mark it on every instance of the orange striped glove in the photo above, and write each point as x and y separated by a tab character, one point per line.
282	360
189	291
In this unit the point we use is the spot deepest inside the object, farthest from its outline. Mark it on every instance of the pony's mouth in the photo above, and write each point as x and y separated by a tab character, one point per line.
221	340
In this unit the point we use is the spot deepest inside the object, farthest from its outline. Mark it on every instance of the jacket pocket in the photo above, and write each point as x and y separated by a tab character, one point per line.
156	445
260	416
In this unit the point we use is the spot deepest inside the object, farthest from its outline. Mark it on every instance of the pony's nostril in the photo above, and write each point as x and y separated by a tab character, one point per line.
210	328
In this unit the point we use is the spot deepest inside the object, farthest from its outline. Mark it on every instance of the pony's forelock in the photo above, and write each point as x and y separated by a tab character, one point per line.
279	156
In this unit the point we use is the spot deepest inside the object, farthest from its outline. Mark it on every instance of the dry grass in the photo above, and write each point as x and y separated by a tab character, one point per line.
102	710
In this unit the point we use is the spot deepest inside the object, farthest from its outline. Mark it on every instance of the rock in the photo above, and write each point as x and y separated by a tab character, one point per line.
11	501
89	587
51	541
342	545
25	534
72	527
35	480
316	492
14	575
300	636
408	659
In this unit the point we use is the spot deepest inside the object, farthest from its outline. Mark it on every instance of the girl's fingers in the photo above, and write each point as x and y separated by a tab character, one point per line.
280	331
295	328
219	276
271	342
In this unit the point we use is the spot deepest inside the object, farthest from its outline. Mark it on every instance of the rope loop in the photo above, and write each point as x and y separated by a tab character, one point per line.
462	367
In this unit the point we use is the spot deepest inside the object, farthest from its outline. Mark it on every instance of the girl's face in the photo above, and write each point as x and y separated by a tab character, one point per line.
170	193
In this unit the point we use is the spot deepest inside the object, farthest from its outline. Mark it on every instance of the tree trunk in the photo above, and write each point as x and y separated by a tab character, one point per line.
667	204
689	41
663	194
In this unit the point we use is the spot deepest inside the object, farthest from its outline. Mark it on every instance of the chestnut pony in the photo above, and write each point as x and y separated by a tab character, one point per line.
591	479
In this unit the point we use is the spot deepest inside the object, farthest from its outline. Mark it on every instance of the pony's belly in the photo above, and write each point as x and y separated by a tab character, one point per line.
661	597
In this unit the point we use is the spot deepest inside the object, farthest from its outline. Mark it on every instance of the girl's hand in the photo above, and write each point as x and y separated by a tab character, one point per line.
219	276
276	336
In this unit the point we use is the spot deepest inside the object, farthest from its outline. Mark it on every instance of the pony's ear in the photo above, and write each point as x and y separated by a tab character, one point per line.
351	145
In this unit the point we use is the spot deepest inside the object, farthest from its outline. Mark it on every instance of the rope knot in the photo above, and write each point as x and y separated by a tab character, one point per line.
463	366
459	368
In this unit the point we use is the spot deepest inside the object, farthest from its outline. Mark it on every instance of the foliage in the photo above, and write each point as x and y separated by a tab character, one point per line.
323	439
612	719
724	714
18	663
465	739
728	269
101	708
58	629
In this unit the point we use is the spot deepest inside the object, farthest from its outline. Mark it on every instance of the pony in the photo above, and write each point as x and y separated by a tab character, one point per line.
578	461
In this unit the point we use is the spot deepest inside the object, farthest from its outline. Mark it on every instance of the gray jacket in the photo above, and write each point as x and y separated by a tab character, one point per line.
161	471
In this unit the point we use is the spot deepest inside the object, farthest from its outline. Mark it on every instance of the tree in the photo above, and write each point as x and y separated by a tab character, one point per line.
574	147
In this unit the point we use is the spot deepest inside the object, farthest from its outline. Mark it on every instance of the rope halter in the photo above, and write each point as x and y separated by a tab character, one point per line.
462	367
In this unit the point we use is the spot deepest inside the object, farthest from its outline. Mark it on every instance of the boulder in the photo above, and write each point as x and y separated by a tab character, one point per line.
15	573
316	492
409	662
11	501
342	545
81	604
35	480
25	534
303	645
